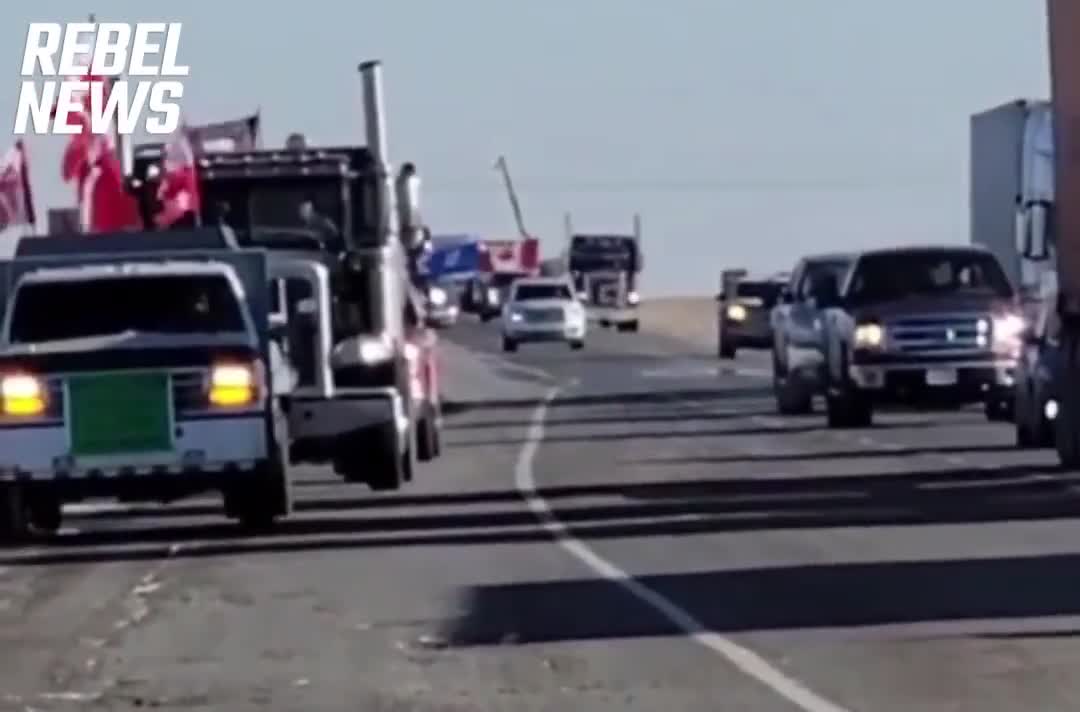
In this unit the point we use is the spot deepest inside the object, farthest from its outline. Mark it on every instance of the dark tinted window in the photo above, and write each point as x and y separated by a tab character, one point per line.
767	292
884	277
357	302
818	269
162	304
527	292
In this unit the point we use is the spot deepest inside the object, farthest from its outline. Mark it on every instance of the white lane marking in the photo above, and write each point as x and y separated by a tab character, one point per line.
744	659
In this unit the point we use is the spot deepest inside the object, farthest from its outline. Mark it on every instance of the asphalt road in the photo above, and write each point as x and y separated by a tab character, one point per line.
624	528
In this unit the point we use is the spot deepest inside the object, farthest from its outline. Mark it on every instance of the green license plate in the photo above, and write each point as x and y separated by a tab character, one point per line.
112	414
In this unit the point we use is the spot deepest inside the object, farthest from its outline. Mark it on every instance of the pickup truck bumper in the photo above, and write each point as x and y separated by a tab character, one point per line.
944	383
556	331
201	447
317	425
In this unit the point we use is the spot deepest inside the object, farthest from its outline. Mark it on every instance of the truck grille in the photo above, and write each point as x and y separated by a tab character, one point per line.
937	334
544	316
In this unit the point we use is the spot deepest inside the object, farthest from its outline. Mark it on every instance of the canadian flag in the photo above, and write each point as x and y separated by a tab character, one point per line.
178	191
510	256
16	199
90	162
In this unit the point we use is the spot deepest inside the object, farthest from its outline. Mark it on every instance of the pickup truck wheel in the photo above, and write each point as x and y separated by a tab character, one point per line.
628	326
577	345
726	350
45	513
998	410
792	398
14	515
266	494
509	345
1067	422
1024	438
848	411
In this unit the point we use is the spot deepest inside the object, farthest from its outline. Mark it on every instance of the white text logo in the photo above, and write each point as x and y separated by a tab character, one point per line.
92	78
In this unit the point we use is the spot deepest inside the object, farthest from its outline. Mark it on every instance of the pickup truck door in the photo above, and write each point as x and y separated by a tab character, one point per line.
804	327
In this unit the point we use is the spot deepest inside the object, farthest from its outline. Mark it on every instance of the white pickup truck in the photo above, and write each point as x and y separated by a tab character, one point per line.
139	380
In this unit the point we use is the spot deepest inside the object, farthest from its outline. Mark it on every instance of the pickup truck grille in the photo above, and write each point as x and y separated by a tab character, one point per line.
936	334
544	316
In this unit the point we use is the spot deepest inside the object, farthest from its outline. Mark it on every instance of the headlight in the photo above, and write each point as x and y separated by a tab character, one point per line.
632	298
22	395
1009	328
869	336
437	296
493	295
376	350
232	384
736	312
516	316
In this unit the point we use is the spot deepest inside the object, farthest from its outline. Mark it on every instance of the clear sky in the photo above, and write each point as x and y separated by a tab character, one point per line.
745	132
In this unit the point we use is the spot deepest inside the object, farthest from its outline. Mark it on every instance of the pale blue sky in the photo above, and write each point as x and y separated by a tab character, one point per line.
744	131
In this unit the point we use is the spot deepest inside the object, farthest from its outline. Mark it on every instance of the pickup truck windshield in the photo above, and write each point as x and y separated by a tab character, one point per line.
767	292
886	277
182	304
529	292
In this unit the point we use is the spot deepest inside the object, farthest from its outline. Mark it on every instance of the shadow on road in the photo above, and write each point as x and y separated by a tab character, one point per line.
778	598
647	510
612	418
668	397
831	455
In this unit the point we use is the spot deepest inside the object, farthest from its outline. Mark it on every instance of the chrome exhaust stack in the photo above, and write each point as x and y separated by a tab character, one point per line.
375	135
407	197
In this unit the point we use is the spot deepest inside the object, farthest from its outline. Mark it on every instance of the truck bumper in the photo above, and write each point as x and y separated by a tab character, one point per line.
317	425
205	446
945	383
612	315
557	331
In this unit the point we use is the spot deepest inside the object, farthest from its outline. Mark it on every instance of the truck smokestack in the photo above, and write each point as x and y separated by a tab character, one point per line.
374	119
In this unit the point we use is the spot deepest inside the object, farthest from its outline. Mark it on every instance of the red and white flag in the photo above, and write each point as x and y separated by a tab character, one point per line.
510	256
178	191
90	162
16	197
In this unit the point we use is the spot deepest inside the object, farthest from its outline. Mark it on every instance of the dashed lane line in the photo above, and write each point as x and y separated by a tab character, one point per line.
745	660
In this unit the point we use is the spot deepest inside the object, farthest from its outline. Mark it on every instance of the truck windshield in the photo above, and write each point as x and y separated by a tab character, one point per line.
182	304
886	277
530	292
765	292
271	212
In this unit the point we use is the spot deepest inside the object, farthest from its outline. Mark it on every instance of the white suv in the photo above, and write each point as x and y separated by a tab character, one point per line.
543	309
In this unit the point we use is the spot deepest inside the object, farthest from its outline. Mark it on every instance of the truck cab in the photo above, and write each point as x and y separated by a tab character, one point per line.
918	326
605	268
353	236
136	375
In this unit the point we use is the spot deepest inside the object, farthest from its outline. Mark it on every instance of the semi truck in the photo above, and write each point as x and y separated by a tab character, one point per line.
345	235
1012	193
605	268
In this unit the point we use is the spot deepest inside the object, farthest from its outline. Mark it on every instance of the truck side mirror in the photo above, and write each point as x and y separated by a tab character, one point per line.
786	296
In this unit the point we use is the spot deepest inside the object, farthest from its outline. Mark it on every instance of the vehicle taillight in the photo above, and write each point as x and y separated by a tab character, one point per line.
23	395
233	384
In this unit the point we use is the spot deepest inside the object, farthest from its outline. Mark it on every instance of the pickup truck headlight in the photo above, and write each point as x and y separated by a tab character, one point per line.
22	395
1008	328
736	312
869	336
493	295
516	316
437	296
633	298
232	384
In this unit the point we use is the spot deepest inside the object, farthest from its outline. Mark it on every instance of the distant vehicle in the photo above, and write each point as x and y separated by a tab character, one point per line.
605	269
442	309
919	326
1038	374
798	357
744	308
543	309
501	263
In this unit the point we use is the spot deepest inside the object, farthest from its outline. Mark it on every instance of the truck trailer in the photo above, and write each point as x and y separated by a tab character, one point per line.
1012	192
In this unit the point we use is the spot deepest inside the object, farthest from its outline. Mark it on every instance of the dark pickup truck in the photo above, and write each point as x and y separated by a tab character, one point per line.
923	327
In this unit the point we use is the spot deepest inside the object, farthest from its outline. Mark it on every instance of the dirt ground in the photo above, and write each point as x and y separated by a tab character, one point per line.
690	319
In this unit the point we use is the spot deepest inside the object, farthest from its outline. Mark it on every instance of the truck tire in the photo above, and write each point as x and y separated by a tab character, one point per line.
388	469
629	326
577	345
45	512
266	494
848	411
427	435
1067	422
791	397
14	517
998	410
725	349
509	345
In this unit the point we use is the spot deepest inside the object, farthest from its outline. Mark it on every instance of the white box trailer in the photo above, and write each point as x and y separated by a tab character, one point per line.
1012	191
